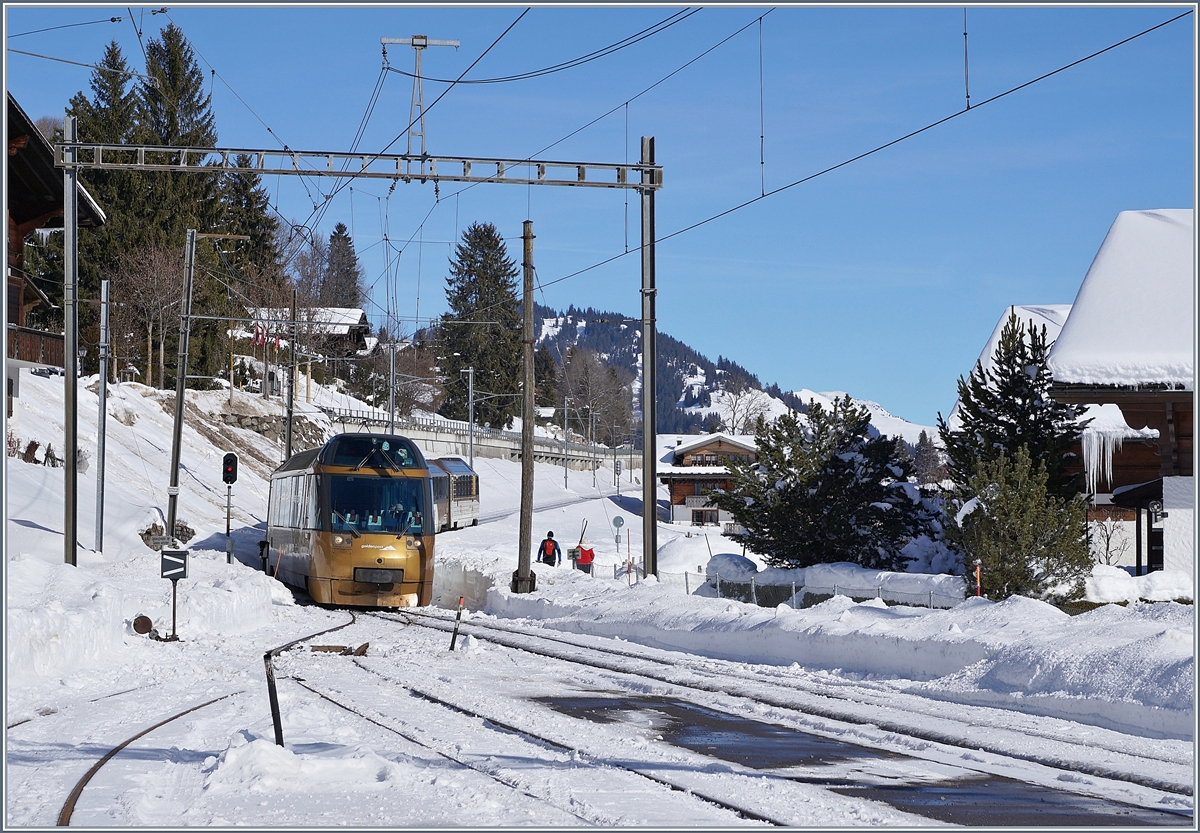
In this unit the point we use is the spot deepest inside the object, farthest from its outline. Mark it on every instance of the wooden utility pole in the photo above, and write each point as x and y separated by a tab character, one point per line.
649	357
291	392
523	581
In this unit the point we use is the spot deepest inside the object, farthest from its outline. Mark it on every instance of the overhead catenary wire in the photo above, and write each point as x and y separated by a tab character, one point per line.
637	37
65	26
726	212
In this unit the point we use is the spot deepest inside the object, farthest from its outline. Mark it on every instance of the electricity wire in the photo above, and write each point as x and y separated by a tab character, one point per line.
65	26
153	81
650	31
865	154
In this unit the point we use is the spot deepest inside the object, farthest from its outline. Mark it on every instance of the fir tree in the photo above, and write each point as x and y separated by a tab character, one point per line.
1008	406
482	328
342	285
928	462
175	110
1029	542
823	490
109	116
248	212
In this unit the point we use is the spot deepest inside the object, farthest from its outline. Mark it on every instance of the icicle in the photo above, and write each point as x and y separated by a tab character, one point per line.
1098	447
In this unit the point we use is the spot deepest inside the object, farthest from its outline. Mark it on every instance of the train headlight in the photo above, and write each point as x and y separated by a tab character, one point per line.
342	540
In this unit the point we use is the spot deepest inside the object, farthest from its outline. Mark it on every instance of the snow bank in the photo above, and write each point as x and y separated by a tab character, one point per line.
1113	584
1131	667
58	619
260	766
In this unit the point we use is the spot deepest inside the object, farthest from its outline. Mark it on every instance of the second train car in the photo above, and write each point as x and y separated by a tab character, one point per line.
353	521
455	493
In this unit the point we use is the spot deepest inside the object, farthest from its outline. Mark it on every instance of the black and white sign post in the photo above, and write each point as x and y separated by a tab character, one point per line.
174	567
229	475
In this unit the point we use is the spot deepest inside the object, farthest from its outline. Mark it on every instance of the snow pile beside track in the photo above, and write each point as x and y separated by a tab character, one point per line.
1129	667
58	619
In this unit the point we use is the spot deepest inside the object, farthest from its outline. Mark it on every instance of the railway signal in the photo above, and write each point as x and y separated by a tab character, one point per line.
174	565
229	475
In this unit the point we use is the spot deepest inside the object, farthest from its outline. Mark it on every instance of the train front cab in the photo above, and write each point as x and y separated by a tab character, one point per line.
352	523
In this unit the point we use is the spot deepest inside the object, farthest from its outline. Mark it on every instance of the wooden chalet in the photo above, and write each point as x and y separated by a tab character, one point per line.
34	200
1128	343
334	331
693	466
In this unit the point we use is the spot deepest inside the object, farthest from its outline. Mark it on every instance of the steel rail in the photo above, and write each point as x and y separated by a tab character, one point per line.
982	744
508	727
413	739
64	815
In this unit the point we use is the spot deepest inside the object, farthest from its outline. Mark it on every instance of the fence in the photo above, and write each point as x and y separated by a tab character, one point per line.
773	595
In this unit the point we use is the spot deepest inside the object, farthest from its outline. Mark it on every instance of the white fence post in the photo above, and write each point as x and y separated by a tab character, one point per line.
753	591
793	595
931	600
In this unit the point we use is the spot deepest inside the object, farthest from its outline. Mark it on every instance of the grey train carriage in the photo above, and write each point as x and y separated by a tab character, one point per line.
455	493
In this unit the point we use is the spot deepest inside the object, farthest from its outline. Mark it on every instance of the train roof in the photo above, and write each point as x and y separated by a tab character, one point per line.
453	465
370	450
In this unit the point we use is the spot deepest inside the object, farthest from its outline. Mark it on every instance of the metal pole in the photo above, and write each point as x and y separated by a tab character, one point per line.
564	441
291	383
228	539
70	341
189	272
392	388
101	419
521	581
649	356
595	460
471	414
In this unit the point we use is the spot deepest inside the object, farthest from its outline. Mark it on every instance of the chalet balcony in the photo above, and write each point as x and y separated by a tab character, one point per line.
696	501
35	346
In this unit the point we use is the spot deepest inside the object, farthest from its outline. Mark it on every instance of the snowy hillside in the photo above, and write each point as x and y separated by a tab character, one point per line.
692	388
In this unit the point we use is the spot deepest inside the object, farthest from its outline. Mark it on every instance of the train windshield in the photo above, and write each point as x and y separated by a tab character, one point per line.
377	504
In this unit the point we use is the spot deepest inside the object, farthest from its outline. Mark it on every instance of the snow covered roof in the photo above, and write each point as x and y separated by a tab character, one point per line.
325	320
1132	322
672	446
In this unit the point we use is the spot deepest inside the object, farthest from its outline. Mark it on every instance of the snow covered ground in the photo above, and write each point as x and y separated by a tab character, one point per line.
79	680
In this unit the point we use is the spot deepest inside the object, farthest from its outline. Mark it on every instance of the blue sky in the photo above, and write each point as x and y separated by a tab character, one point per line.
883	278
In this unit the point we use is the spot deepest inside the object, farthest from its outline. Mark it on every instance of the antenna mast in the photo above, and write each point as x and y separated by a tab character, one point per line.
416	112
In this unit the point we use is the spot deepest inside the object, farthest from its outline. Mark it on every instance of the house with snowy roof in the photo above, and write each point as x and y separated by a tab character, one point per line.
336	331
692	467
1128	342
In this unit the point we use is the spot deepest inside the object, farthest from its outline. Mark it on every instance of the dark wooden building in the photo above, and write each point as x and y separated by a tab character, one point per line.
34	200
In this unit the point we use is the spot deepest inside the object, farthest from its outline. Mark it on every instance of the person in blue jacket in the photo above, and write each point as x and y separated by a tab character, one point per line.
549	551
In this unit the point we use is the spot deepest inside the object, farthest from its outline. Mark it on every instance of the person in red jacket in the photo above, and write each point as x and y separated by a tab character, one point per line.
549	551
586	556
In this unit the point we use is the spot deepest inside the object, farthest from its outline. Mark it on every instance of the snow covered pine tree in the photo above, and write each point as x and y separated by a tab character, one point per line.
824	490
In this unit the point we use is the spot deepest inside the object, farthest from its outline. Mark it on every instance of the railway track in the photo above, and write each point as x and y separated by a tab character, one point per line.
511	739
943	731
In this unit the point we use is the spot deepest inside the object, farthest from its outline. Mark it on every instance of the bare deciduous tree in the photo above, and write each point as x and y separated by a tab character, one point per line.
147	286
740	406
1110	541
